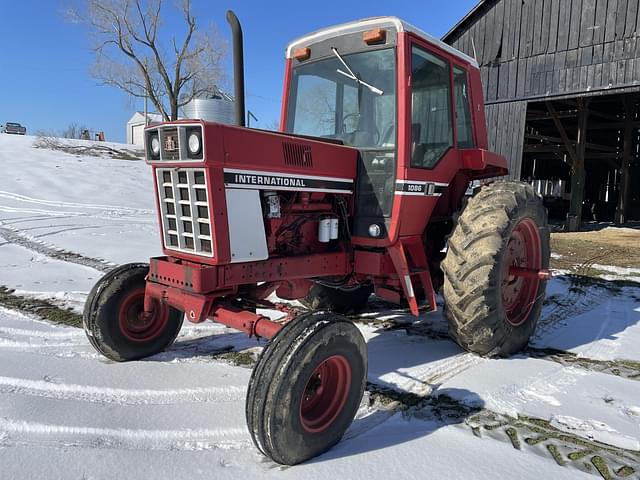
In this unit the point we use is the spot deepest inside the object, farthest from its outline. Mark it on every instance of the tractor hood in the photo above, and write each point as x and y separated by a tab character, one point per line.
258	159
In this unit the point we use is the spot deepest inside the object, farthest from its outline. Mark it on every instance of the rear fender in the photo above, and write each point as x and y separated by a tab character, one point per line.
481	163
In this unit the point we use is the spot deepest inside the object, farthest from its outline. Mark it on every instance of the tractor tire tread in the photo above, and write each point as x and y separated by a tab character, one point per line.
471	267
98	306
284	351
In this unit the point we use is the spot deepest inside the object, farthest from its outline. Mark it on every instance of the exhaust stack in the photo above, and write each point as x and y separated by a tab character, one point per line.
238	66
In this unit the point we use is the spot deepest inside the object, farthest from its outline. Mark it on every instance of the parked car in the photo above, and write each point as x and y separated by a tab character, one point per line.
15	128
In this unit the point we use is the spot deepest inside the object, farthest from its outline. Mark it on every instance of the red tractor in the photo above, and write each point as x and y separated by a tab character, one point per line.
363	189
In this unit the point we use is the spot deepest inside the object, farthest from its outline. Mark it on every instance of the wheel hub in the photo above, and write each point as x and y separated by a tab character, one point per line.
523	253
138	325
325	394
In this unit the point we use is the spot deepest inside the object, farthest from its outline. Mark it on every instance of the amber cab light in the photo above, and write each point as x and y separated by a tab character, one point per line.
301	54
377	35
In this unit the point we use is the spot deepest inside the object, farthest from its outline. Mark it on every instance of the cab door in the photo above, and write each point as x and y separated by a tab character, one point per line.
438	125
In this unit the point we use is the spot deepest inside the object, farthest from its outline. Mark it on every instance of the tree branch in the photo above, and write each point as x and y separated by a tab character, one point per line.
131	29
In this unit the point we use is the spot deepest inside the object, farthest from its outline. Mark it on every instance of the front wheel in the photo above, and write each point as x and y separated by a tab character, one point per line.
306	387
114	318
493	292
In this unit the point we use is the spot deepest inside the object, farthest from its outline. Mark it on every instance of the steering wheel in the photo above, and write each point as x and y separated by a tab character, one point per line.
375	133
348	117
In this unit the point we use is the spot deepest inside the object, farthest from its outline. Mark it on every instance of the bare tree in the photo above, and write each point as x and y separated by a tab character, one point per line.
133	54
77	131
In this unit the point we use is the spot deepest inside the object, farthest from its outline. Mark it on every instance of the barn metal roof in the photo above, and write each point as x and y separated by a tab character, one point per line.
472	14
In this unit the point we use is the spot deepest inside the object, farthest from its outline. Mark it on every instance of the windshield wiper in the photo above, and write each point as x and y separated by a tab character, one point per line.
352	75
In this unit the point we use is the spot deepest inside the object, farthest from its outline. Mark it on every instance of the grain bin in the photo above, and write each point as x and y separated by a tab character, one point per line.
217	108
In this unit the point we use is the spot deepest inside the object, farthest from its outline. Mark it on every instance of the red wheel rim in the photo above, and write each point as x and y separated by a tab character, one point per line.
519	293
325	394
135	324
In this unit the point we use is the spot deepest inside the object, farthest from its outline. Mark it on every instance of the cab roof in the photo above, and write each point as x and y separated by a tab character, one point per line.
367	24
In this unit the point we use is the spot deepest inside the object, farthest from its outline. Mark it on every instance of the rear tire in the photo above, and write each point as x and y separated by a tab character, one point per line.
113	319
306	387
338	300
490	311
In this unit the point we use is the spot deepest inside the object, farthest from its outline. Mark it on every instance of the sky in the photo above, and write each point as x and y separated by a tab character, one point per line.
45	61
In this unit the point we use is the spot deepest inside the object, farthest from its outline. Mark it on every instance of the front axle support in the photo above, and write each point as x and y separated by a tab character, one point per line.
199	308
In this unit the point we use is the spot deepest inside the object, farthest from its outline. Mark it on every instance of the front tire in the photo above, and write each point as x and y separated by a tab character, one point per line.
114	318
306	387
490	310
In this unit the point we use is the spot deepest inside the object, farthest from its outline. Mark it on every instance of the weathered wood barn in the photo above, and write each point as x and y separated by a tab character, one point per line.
562	88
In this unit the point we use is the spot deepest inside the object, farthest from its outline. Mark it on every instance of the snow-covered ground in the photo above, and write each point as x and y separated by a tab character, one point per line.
66	412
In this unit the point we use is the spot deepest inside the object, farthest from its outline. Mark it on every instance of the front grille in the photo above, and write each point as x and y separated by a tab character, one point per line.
297	155
186	217
170	144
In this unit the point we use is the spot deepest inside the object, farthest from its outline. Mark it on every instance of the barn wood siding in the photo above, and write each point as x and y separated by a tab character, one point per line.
540	48
505	127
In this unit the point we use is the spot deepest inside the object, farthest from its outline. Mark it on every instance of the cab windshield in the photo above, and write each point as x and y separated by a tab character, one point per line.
324	102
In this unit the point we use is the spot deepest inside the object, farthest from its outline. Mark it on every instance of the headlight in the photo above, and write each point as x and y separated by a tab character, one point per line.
155	145
195	144
374	230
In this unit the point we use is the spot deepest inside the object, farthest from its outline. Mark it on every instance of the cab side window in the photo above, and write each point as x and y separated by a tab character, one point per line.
431	116
464	126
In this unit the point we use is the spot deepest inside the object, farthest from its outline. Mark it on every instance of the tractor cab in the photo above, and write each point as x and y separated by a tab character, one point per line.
403	99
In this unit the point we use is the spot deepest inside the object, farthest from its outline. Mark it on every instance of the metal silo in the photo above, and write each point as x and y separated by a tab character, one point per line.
217	108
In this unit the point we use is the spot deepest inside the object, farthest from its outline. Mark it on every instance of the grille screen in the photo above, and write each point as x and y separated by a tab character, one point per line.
186	225
297	155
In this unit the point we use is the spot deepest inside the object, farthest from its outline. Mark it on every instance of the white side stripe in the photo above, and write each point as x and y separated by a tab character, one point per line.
284	174
420	182
418	194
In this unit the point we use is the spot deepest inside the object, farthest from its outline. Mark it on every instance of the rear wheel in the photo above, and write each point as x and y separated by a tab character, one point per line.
306	387
339	300
114	318
493	294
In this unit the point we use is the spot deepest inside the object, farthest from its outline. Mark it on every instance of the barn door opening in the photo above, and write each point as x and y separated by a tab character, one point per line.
582	156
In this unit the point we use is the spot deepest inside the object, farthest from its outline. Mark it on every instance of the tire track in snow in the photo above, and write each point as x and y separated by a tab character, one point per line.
367	419
23	433
120	396
564	446
15	238
423	380
621	367
63	333
40	212
413	398
60	204
567	447
582	295
629	369
453	367
29	346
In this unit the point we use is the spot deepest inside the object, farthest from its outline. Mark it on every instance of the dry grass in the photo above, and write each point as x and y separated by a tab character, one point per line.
42	308
619	247
89	148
